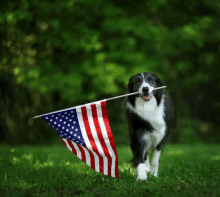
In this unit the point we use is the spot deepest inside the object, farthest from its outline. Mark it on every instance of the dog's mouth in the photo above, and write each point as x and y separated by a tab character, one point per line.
145	97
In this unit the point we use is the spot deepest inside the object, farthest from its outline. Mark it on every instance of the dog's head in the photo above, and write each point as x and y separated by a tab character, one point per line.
144	83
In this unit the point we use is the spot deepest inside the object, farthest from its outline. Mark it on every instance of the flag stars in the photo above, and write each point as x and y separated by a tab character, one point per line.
66	125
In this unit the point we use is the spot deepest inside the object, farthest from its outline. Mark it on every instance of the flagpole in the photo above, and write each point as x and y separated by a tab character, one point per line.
116	97
132	94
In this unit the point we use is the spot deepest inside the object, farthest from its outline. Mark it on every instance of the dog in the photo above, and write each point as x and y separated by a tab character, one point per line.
150	117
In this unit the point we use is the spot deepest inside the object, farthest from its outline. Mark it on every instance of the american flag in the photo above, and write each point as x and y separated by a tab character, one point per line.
86	132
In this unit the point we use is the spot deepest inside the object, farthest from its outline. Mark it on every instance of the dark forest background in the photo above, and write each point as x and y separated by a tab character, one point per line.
59	54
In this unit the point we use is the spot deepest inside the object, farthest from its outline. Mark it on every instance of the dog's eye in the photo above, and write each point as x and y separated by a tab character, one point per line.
138	80
150	79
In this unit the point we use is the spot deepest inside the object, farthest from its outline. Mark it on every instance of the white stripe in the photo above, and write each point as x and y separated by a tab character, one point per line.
67	144
79	155
86	139
77	150
96	139
88	159
106	139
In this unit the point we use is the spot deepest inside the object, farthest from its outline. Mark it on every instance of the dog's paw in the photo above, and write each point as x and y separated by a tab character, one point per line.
147	169
154	172
147	166
142	177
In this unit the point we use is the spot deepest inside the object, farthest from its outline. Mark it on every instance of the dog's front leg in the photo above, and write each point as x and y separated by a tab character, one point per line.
155	163
147	163
139	149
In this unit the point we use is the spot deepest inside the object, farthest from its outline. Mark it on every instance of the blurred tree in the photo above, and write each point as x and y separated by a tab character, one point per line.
57	54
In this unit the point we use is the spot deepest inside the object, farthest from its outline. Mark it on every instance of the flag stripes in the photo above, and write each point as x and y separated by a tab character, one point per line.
112	146
100	151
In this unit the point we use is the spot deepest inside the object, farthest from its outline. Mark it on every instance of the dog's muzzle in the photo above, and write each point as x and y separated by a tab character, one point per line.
145	95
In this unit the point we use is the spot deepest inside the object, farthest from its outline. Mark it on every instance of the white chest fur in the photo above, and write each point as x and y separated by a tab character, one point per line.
153	114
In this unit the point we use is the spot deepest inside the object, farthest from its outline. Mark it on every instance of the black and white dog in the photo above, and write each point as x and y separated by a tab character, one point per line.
150	116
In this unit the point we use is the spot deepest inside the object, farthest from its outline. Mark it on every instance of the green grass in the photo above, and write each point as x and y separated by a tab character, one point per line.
55	171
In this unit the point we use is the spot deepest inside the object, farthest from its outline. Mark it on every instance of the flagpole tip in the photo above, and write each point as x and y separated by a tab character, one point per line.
36	117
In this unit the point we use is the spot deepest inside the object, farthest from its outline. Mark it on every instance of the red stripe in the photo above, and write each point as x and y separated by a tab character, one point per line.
92	163
82	152
63	142
83	156
101	139
92	158
90	137
72	147
110	136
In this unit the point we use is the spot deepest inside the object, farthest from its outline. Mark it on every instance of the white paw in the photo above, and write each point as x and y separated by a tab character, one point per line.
147	168
141	171
154	172
142	177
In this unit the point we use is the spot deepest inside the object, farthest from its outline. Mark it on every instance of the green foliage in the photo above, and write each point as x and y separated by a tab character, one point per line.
71	52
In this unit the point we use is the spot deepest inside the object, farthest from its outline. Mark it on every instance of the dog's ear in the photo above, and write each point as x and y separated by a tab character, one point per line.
158	94
158	81
130	85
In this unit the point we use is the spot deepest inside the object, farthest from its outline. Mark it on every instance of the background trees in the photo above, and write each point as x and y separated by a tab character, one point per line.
57	54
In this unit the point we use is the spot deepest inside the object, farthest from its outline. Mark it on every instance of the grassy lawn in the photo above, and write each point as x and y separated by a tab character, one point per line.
55	171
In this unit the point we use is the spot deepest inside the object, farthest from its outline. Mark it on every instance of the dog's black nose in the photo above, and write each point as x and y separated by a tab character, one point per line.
145	90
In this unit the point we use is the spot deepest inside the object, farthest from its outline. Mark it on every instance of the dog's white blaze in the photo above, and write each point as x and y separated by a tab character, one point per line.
155	163
141	171
145	84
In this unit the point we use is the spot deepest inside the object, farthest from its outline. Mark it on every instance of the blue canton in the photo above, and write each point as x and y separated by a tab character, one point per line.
67	125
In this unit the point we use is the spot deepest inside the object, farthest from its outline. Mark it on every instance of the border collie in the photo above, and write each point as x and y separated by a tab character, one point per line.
150	116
